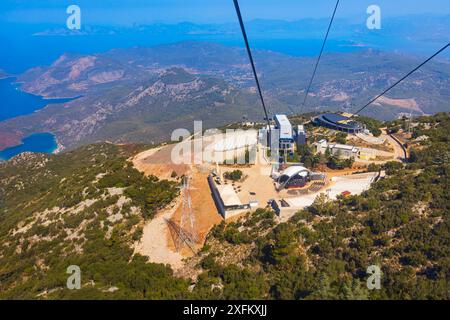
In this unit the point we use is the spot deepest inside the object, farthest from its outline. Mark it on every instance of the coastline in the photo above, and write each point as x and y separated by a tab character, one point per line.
59	146
43	96
13	141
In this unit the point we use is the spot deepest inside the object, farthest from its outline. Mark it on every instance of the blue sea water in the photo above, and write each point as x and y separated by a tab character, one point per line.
38	142
14	102
26	50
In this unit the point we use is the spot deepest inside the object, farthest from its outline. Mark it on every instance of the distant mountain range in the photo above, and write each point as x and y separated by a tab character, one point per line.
414	34
416	27
142	94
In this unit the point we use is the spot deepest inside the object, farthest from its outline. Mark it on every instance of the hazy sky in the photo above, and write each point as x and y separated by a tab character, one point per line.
147	11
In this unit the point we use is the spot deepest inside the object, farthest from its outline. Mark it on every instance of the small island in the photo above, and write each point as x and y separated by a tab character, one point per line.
3	74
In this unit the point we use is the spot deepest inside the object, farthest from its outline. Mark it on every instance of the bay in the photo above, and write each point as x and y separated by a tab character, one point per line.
38	142
14	102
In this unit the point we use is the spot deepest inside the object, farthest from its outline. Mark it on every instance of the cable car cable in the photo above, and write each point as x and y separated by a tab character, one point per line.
320	55
395	84
244	34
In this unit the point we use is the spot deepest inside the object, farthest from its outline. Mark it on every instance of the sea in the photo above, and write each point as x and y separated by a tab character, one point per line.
15	102
38	142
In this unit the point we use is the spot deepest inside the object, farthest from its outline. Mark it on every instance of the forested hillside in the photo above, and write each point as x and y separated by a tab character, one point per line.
87	207
81	208
401	224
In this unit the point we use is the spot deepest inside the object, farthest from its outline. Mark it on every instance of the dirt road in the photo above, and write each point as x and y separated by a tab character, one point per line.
154	243
399	154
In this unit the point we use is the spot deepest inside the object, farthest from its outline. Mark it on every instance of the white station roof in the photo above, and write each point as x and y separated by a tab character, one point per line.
295	170
236	140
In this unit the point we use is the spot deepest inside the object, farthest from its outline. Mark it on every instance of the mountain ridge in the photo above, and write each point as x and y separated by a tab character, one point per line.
221	89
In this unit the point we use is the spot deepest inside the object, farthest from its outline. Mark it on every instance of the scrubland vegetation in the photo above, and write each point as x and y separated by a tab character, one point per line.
86	208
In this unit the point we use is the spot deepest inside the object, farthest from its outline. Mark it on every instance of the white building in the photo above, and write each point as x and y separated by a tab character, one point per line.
231	146
227	201
341	150
286	136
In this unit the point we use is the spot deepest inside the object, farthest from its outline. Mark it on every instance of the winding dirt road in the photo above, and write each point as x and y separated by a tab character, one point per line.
399	153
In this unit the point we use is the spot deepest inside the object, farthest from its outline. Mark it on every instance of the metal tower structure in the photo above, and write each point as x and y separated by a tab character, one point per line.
187	221
184	233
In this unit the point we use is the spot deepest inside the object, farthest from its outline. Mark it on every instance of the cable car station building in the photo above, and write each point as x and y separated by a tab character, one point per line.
338	122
